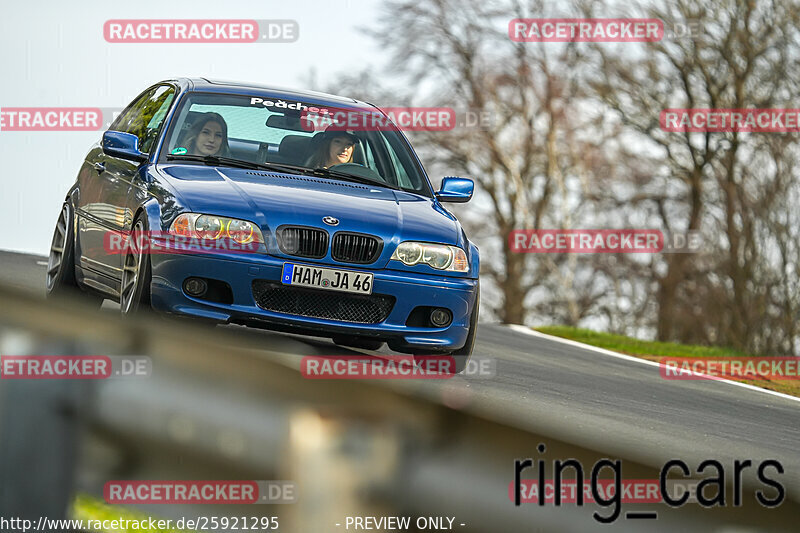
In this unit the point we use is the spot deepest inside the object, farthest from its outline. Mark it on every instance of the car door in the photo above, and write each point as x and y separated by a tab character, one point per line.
106	211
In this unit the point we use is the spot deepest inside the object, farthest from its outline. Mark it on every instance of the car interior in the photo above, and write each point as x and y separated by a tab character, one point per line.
292	149
285	141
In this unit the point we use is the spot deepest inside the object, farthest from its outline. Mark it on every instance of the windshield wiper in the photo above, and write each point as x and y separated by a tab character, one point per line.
329	173
214	160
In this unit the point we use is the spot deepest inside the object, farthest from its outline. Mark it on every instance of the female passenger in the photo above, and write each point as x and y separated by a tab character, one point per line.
336	148
208	136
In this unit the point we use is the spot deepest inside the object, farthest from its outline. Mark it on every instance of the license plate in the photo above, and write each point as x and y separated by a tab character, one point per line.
327	278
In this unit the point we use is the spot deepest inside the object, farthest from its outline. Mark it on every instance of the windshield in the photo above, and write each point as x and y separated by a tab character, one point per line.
292	136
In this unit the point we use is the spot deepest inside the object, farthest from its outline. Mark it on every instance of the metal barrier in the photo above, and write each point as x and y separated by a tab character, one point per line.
221	405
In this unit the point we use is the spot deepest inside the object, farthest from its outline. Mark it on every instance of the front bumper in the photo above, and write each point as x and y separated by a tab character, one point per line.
409	290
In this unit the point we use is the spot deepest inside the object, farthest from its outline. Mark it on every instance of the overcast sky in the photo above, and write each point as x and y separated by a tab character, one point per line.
54	54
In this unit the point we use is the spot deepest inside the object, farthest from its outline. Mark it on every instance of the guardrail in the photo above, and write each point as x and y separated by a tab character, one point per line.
219	404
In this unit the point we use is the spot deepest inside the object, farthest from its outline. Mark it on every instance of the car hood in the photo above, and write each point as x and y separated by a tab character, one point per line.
273	199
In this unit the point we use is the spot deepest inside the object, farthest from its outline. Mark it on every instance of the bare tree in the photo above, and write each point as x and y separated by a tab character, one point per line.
574	141
724	184
530	161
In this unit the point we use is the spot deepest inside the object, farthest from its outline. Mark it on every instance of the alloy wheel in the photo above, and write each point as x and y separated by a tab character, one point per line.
58	246
131	269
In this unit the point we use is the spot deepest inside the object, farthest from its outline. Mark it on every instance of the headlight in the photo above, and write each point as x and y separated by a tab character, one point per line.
208	227
241	231
410	253
438	256
197	226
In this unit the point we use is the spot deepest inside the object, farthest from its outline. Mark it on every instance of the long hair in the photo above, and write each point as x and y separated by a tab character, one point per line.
197	127
322	153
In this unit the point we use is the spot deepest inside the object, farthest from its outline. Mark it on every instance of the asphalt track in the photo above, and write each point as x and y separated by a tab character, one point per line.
595	400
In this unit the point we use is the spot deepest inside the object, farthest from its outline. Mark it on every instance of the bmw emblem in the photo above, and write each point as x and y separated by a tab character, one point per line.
331	221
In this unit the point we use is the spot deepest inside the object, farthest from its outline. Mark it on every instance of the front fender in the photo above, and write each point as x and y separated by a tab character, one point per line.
152	211
474	260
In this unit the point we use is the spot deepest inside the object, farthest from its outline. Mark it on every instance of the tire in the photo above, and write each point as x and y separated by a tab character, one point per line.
462	355
134	293
60	276
357	342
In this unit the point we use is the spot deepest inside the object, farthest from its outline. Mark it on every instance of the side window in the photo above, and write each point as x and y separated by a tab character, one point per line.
144	117
396	166
400	171
369	156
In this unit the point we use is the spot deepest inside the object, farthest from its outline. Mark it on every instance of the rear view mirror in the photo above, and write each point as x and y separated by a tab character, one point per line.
290	122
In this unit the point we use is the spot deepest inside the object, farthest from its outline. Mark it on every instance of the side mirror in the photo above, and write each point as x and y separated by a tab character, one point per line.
122	145
455	190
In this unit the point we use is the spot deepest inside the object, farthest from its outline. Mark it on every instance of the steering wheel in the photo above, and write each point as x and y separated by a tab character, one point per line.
359	170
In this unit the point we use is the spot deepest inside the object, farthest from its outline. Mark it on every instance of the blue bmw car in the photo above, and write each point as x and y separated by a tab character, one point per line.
331	227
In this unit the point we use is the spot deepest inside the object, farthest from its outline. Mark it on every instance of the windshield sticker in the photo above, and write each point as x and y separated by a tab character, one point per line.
283	104
180	150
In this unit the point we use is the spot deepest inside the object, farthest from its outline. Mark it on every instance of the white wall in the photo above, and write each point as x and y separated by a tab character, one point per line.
53	54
